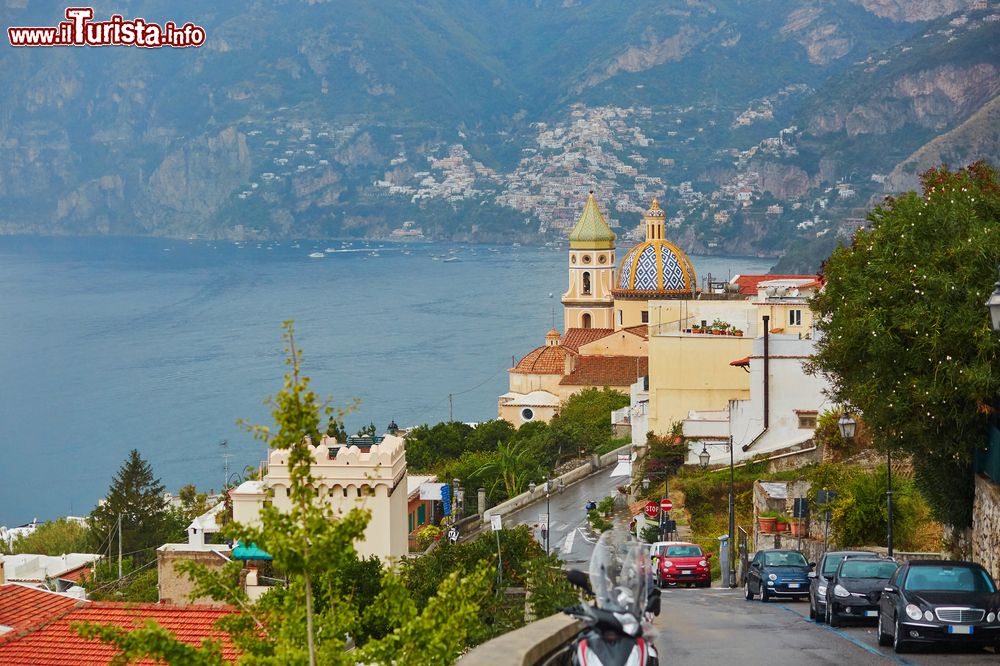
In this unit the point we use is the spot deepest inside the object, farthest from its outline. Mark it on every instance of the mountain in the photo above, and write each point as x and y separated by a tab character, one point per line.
479	121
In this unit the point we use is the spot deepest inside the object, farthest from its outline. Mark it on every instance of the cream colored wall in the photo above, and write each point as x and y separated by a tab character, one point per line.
779	313
673	316
629	312
525	383
692	372
617	344
599	301
512	414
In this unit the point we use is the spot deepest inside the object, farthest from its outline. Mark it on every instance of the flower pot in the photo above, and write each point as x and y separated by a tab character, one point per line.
738	334
782	525
717	332
767	525
798	528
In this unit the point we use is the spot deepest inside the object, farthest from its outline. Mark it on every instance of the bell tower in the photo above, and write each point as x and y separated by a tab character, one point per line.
588	302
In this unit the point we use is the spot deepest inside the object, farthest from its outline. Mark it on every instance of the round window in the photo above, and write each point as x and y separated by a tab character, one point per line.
586	258
572	259
602	259
527	414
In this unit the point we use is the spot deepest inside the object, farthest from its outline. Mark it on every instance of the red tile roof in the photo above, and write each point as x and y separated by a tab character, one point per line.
574	338
56	644
607	371
76	575
642	330
748	283
23	607
545	360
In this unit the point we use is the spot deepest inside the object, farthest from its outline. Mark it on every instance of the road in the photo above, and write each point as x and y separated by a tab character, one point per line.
715	626
571	534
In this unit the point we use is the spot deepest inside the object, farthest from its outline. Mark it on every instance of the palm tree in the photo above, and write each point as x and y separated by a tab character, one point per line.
510	466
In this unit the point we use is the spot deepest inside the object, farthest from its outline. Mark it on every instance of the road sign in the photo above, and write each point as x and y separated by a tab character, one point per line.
495	523
624	458
651	509
666	505
543	518
453	534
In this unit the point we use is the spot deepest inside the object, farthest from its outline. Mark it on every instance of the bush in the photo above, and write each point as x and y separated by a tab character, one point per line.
860	515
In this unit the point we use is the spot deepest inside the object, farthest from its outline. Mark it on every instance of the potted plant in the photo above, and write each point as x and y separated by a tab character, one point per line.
738	332
719	327
767	521
695	328
798	527
782	523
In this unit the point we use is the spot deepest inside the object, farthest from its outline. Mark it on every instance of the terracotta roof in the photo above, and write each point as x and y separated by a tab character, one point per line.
76	575
56	644
577	337
642	330
748	283
545	360
23	607
607	371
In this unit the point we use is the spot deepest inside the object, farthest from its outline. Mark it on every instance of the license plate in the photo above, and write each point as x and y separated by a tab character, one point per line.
687	573
959	629
871	613
793	586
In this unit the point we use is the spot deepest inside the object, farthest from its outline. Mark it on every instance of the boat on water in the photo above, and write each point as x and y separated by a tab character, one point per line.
374	254
451	259
316	255
330	250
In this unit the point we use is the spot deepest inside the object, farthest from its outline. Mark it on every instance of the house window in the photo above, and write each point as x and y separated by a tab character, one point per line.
527	414
586	282
645	316
807	420
421	514
621	318
795	317
411	521
586	320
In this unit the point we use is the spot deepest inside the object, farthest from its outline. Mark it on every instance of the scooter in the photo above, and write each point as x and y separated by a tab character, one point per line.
621	608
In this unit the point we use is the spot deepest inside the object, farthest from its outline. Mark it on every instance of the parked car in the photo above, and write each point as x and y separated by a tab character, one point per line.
818	580
939	601
855	588
683	563
775	573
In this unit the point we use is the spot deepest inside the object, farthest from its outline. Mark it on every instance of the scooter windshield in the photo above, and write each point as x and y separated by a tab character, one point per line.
619	573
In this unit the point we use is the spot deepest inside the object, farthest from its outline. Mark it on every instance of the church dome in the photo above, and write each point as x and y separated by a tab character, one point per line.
656	267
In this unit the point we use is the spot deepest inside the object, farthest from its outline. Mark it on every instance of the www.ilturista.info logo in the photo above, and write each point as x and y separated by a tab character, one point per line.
80	30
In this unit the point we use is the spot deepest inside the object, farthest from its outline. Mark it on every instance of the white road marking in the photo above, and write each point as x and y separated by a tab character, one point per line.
568	544
584	535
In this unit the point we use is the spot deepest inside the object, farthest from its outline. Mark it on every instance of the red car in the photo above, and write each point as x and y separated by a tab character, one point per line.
683	563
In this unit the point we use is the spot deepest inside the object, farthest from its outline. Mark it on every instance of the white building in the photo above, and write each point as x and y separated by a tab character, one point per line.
795	400
371	476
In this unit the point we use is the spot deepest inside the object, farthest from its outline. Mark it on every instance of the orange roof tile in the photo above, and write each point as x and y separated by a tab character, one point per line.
642	330
76	575
23	607
607	371
577	337
56	644
545	360
748	283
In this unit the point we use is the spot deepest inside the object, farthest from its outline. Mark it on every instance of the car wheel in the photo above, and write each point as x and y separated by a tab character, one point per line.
832	618
812	610
764	596
747	594
898	646
884	639
820	616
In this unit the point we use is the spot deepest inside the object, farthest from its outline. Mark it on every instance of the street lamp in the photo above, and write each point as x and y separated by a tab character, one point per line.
548	517
645	484
847	426
994	304
703	459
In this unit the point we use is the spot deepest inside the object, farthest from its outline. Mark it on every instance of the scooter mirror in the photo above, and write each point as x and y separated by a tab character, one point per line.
579	579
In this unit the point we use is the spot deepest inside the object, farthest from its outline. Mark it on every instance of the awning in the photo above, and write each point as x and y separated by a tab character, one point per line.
251	552
739	363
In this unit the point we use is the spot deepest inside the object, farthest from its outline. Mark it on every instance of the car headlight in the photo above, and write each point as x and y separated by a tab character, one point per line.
929	616
839	591
821	591
703	563
772	577
913	612
667	564
992	616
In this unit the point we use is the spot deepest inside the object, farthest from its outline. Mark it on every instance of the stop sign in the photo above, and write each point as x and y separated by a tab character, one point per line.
666	505
651	509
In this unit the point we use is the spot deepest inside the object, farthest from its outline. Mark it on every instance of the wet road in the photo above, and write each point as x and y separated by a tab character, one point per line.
570	534
715	626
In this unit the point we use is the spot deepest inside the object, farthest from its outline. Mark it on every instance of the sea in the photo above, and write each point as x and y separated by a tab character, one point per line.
110	344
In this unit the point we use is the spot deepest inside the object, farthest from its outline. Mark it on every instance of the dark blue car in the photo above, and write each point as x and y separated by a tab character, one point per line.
778	573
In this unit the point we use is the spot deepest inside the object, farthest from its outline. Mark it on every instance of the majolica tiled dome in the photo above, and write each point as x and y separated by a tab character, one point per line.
655	267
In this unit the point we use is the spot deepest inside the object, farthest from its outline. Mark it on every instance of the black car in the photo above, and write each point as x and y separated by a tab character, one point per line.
774	573
855	589
939	601
819	579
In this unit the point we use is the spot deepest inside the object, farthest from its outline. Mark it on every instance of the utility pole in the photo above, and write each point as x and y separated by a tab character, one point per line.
226	455
451	415
119	546
888	499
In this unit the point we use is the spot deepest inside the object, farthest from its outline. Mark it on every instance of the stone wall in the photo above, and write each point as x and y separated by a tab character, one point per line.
176	586
986	525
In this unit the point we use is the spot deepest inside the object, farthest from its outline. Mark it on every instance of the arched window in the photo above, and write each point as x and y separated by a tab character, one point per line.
586	282
586	320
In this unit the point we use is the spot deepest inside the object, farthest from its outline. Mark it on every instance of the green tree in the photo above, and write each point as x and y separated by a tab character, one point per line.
427	446
193	503
510	468
335	428
146	522
56	537
488	434
584	422
906	338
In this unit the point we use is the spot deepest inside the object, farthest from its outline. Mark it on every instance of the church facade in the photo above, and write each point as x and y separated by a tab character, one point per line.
605	339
